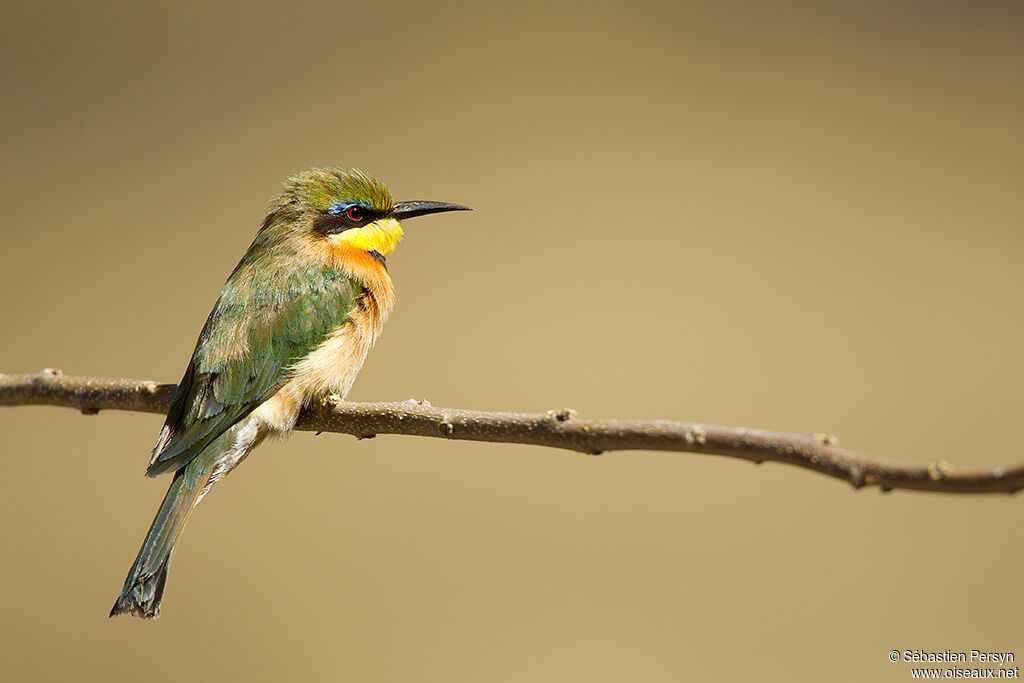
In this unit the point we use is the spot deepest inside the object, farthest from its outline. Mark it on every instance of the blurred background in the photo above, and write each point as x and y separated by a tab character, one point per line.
804	218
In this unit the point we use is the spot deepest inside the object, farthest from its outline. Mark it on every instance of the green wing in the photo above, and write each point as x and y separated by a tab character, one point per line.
267	318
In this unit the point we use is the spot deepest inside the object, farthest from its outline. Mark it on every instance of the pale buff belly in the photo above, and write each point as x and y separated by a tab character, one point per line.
330	369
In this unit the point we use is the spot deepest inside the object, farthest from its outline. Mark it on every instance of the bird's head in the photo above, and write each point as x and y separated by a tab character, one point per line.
348	209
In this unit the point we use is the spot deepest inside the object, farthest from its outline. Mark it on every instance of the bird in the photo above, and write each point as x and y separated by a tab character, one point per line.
292	325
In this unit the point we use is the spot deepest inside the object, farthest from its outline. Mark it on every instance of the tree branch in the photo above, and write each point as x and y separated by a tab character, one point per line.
556	428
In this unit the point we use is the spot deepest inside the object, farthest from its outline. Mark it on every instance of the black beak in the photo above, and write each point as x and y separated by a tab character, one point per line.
413	209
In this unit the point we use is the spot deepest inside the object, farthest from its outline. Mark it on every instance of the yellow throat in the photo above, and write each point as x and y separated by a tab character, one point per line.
382	235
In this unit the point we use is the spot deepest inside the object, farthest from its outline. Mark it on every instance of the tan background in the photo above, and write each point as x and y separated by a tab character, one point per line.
806	218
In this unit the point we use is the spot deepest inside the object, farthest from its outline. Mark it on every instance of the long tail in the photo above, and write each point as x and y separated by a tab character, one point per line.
144	587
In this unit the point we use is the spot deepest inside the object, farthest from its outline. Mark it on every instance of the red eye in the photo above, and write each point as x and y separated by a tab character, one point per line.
354	213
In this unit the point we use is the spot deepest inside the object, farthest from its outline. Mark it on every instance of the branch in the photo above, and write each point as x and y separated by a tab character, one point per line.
556	428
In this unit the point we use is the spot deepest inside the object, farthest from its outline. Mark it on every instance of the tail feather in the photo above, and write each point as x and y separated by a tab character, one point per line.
144	586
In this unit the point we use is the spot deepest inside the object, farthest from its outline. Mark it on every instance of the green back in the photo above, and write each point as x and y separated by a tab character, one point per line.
273	311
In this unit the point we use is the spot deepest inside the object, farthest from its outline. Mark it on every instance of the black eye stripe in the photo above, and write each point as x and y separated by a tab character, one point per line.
337	219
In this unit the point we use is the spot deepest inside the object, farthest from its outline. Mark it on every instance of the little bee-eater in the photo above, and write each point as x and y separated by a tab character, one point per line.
293	324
